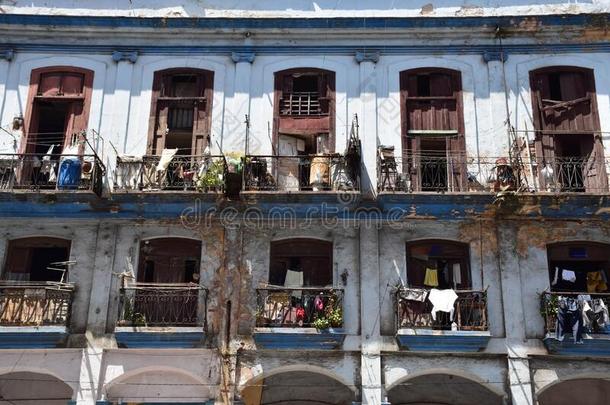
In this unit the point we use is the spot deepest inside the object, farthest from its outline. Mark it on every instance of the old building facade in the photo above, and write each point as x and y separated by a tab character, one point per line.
304	202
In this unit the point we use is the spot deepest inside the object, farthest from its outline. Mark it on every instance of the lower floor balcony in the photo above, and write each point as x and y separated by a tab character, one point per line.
34	314
162	315
576	323
441	320
306	318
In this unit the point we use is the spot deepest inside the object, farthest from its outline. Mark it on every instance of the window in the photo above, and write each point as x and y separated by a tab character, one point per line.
432	127
579	267
37	259
301	263
304	111
58	108
567	142
169	260
438	264
180	112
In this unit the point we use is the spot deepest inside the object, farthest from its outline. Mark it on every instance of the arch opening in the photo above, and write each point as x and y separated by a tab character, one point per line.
28	388
442	389
295	388
592	391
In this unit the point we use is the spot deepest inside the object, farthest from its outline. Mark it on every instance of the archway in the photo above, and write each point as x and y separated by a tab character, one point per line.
591	391
297	388
157	386
442	389
28	388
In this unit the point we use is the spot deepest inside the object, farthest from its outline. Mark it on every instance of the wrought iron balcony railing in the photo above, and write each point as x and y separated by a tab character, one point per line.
306	307
30	171
303	104
459	173
181	173
35	303
156	304
470	311
592	308
329	172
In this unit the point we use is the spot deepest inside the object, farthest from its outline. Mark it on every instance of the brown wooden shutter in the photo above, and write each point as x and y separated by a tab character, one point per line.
202	113
158	118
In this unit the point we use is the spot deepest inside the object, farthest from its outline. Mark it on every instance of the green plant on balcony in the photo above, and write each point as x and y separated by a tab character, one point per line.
549	305
132	317
212	178
331	317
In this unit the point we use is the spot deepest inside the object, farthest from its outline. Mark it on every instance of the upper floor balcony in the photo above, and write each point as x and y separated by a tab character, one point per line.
34	314
50	172
304	317
170	172
576	323
162	315
458	173
441	320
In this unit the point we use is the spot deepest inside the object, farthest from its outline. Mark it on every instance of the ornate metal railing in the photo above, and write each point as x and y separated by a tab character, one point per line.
593	314
35	303
156	304
31	171
303	103
459	173
470	311
330	172
181	173
320	308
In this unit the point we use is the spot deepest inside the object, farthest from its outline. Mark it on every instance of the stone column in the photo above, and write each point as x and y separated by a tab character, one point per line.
368	121
497	99
121	98
370	364
240	105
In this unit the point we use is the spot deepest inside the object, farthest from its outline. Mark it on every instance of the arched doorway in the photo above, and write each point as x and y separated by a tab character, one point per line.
442	389
591	391
28	388
297	388
157	386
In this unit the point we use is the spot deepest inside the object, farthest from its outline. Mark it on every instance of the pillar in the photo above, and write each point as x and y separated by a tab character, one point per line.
240	105
6	56
368	121
370	365
497	99
122	97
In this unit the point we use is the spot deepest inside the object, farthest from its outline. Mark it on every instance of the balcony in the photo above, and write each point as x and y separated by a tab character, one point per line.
34	314
306	318
162	315
560	310
182	173
417	329
58	173
458	173
302	173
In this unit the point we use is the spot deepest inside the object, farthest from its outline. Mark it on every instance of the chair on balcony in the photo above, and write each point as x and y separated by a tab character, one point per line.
388	169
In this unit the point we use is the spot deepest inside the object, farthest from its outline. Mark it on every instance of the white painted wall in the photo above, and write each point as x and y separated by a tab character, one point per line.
320	8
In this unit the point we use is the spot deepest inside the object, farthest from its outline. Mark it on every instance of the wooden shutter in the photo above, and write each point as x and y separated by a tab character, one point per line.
202	113
158	118
564	103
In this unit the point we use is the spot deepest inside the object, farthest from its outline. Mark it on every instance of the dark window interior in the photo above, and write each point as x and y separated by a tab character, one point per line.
305	83
51	125
450	260
29	259
308	260
169	260
423	85
588	262
555	86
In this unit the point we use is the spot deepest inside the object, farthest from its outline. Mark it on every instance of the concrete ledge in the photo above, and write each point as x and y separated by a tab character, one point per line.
32	337
429	340
159	338
298	338
596	346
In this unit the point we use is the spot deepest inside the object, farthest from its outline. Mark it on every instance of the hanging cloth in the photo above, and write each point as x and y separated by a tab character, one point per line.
595	282
431	278
568	275
442	300
457	274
